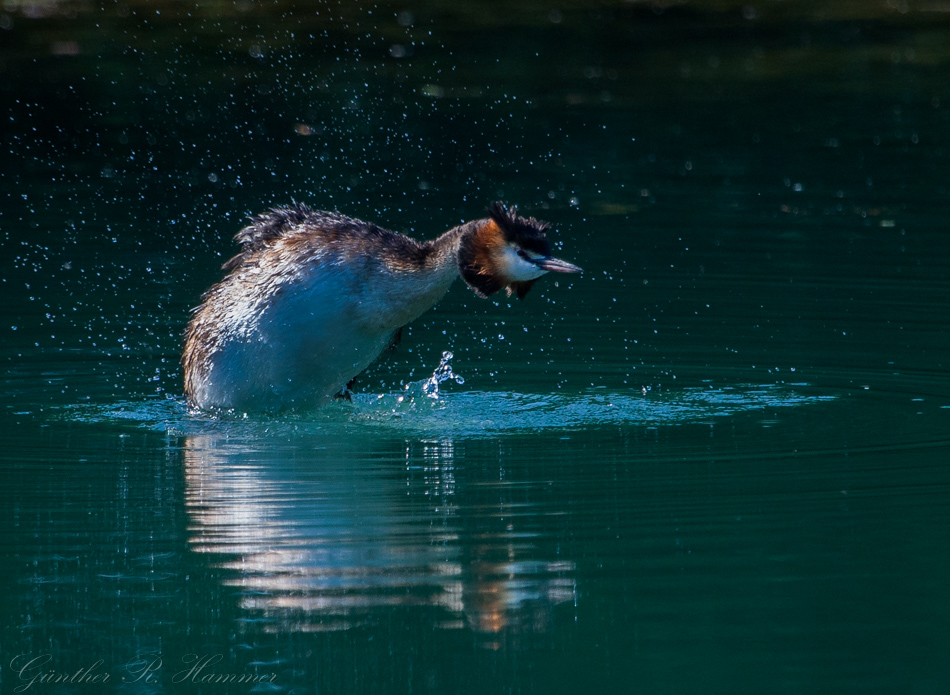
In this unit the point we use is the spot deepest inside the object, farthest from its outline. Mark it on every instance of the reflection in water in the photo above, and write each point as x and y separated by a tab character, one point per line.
320	539
338	518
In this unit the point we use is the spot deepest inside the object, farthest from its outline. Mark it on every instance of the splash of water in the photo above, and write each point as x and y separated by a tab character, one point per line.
430	387
441	374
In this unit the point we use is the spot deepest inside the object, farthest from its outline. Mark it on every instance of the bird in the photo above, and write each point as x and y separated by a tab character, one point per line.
314	297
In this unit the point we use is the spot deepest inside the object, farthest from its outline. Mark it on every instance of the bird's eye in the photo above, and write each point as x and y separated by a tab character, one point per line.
524	255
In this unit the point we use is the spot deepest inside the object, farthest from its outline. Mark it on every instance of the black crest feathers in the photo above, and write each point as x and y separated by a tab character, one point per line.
526	232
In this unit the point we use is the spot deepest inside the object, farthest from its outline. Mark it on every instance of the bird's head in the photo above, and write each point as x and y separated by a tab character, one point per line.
507	251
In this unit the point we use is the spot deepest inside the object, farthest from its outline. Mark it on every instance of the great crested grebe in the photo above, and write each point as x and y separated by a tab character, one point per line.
314	297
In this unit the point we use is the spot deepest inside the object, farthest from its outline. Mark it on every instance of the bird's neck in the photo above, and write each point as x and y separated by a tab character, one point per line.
442	258
410	292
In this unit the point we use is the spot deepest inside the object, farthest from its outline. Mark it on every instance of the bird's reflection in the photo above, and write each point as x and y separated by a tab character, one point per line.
320	538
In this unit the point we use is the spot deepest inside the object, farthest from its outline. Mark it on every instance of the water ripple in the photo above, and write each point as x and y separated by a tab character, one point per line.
468	414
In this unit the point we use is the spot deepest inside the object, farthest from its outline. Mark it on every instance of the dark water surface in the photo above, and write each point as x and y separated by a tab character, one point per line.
717	461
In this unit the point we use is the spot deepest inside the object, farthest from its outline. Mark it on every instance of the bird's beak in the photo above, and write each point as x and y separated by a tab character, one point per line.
556	265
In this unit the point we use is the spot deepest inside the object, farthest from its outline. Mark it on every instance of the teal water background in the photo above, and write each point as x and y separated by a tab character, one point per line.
717	461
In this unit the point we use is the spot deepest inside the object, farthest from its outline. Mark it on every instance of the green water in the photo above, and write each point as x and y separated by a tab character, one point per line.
714	462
